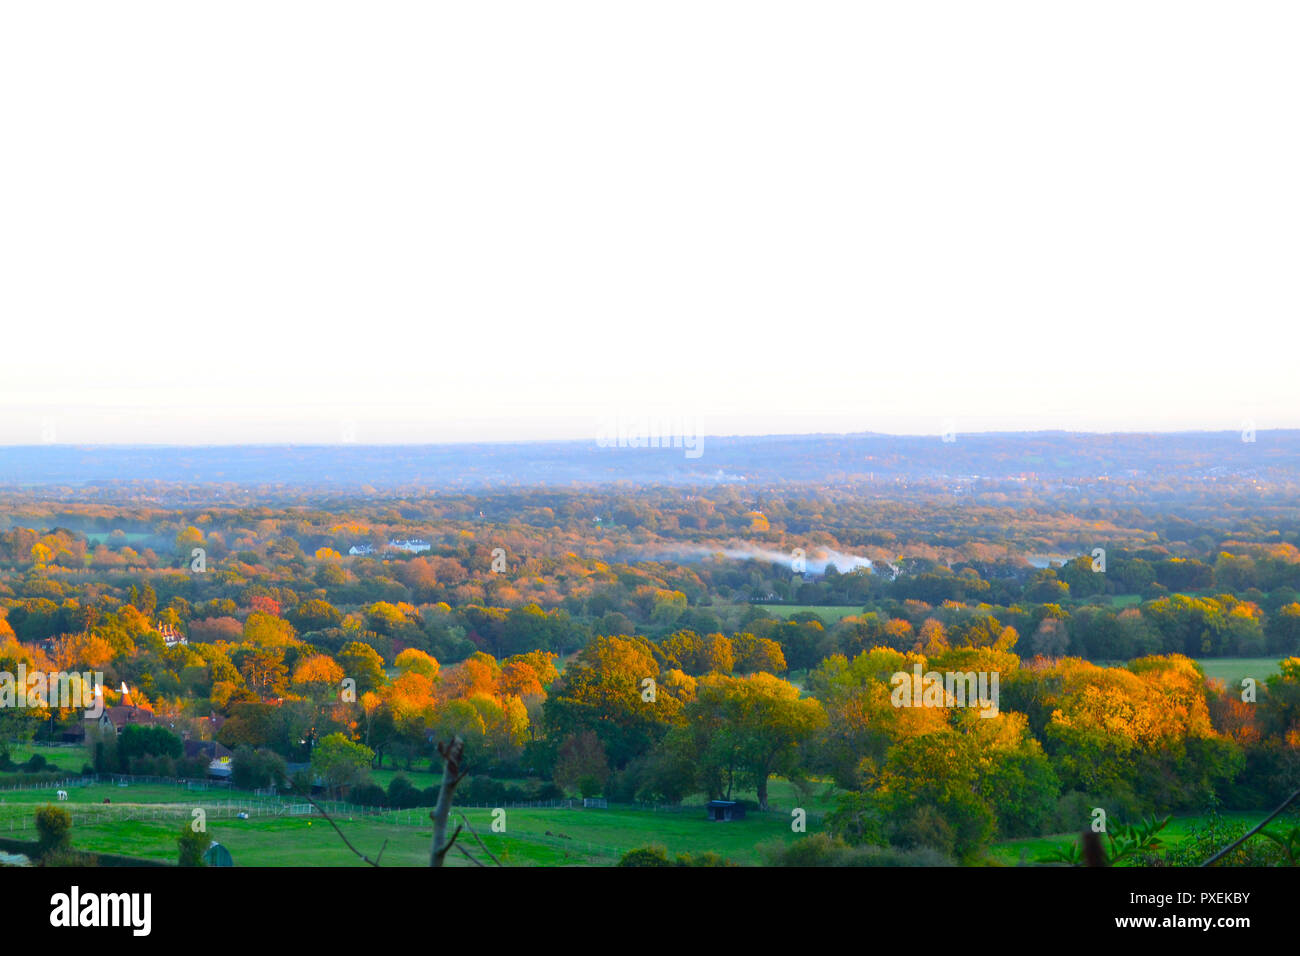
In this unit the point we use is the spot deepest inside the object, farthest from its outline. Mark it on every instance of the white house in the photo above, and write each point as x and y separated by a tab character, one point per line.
413	545
171	637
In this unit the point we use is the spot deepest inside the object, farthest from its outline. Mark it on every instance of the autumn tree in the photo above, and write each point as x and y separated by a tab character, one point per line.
610	689
318	676
413	659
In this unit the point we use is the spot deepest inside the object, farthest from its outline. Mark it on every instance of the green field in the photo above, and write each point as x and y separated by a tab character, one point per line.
143	820
1231	670
70	758
830	613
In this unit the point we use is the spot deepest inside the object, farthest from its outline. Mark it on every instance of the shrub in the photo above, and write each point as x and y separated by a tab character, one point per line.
645	856
655	855
815	849
192	846
896	856
368	795
704	859
926	826
1214	834
548	791
66	856
402	794
252	769
54	826
820	849
192	768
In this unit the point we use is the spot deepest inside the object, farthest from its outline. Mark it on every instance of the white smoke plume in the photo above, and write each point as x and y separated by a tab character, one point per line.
815	561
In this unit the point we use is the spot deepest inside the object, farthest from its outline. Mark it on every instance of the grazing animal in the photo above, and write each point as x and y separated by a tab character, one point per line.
63	794
106	800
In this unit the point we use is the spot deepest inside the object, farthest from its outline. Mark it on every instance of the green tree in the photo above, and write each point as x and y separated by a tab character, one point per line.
362	663
1284	630
750	728
928	790
316	615
252	769
136	741
340	762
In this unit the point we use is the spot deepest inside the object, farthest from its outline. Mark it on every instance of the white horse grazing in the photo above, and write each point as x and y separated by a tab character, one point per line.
63	794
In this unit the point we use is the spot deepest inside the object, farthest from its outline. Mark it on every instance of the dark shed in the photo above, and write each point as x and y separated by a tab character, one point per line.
722	810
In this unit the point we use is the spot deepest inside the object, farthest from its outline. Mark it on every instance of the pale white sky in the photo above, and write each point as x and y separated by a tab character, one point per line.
272	221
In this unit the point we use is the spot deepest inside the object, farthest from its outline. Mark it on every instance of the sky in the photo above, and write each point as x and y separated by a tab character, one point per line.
408	222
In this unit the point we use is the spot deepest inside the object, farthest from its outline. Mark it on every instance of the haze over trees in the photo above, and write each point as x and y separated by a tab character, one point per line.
659	644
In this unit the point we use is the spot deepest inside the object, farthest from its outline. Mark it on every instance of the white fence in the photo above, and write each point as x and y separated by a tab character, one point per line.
50	785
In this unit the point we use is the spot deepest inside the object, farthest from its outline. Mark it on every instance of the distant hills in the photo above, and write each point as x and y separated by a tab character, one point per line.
1023	456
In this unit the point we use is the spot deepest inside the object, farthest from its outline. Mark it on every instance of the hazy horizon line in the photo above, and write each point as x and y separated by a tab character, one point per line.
589	439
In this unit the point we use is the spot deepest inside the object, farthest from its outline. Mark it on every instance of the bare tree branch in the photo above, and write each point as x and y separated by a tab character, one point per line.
1251	832
471	856
342	836
478	839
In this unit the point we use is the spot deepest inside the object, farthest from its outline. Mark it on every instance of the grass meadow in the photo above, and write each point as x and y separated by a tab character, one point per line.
143	820
1231	670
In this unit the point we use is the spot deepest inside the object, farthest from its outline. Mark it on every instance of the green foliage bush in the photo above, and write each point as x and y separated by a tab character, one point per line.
255	768
54	826
66	856
654	854
645	856
821	849
192	846
1215	834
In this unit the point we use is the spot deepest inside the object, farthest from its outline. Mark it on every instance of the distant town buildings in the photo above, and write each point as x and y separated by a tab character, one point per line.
409	545
412	545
